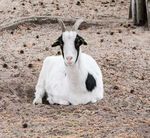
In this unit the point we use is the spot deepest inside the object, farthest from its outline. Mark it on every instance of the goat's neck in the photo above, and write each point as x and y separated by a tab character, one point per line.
75	72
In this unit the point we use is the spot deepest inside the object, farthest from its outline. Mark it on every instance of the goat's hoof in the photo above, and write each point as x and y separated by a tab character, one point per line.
94	101
37	101
64	102
50	100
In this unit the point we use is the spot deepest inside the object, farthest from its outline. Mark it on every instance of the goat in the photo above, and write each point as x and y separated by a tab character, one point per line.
71	78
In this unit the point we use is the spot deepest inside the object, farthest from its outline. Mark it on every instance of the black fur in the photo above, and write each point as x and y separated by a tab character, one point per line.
60	43
90	82
78	42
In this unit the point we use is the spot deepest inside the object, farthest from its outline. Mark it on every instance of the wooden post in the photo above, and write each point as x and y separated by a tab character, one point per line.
133	11
130	10
138	11
141	12
148	12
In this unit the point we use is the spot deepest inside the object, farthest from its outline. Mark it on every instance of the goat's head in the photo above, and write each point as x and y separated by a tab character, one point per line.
70	43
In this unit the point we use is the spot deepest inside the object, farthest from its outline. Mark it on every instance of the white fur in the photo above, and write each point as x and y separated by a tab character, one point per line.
65	83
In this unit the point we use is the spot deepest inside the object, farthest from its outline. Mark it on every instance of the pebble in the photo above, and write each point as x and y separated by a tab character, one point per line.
21	52
116	87
120	40
15	66
78	3
30	65
102	40
5	65
37	36
25	125
131	91
12	32
111	33
46	48
119	31
24	45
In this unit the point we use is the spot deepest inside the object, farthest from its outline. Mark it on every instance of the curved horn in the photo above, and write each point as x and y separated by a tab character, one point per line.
77	24
63	27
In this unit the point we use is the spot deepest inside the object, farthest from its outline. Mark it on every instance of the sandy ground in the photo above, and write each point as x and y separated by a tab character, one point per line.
121	49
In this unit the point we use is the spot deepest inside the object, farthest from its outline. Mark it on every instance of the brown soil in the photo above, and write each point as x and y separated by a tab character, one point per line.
121	49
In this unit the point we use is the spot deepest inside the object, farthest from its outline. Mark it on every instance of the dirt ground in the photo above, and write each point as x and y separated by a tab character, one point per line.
121	49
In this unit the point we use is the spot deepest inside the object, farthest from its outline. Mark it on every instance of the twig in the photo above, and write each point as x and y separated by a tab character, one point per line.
49	19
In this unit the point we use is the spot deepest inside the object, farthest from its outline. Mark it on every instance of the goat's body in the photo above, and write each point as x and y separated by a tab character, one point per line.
66	84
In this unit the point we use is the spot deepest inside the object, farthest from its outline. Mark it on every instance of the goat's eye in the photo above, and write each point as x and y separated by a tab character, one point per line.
78	41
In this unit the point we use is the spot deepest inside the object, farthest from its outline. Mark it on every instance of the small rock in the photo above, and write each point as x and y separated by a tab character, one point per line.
116	87
5	65
14	8
96	10
47	49
125	26
82	1
131	91
15	66
78	3
17	75
41	3
106	2
102	40
119	31
21	52
134	48
37	36
24	45
25	125
111	33
120	40
57	8
142	78
129	25
22	4
38	59
133	32
28	28
30	65
33	44
12	32
98	32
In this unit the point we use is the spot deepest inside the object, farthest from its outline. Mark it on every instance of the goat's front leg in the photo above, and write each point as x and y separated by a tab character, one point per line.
40	89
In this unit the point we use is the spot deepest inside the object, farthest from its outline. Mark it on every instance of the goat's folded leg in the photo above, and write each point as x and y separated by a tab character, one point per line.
40	90
59	100
38	95
37	100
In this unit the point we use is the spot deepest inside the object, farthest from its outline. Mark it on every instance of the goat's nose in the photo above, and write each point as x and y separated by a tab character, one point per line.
69	58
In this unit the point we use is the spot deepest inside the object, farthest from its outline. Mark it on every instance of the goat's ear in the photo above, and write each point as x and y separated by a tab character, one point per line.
56	44
59	42
83	41
80	41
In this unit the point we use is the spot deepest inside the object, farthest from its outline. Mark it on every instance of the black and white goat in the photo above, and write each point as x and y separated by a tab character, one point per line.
73	78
